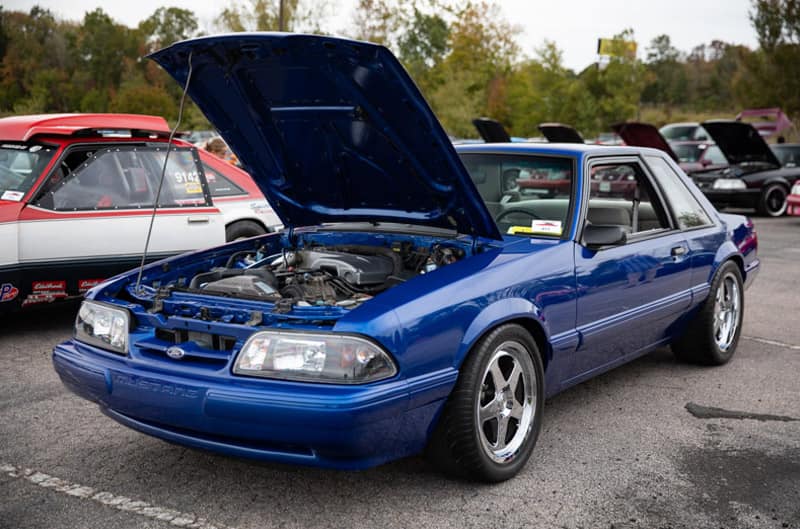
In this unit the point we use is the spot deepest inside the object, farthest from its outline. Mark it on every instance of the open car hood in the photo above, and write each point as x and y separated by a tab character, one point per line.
560	133
639	134
740	142
331	130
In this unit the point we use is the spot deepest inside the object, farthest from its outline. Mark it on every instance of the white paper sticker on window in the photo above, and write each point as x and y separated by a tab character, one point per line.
14	196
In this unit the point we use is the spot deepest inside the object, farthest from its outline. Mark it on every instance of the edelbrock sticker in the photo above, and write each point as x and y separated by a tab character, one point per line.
86	284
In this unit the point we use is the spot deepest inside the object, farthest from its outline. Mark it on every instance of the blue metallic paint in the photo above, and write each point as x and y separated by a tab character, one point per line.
595	310
591	310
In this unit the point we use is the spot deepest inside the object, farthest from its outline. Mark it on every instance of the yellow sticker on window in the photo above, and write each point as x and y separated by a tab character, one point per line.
515	230
193	188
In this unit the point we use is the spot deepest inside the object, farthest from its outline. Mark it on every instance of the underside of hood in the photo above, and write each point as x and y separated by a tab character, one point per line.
740	142
331	130
643	135
560	133
491	130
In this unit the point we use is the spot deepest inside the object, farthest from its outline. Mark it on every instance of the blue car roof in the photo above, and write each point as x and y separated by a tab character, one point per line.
566	149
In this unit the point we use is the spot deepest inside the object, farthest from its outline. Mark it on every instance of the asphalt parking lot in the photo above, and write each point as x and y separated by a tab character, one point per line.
654	444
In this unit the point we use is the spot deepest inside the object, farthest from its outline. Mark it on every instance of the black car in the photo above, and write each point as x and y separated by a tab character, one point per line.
787	153
755	178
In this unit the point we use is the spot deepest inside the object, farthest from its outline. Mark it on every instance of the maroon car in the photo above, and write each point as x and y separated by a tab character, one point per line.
691	155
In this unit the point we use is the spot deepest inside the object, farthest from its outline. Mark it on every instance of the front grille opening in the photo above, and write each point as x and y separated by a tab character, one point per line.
214	342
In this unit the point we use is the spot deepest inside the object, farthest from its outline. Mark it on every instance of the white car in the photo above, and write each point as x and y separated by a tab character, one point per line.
77	194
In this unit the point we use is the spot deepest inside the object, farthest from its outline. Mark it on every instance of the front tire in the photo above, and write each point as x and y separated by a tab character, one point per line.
492	419
243	229
712	336
772	202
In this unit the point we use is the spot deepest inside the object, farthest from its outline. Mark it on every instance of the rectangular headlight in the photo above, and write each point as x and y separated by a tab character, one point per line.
729	183
103	325
313	357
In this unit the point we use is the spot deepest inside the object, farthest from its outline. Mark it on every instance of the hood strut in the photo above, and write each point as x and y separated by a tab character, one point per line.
161	180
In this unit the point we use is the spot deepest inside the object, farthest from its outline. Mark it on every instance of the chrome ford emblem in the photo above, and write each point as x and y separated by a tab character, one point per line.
175	352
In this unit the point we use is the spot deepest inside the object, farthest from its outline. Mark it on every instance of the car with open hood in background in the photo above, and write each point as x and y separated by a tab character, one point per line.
755	177
67	181
691	155
406	306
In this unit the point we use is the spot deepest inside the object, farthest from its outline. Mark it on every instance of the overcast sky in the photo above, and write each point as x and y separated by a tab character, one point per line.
574	25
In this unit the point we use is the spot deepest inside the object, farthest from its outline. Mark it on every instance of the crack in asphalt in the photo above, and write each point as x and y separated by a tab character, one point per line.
709	412
772	342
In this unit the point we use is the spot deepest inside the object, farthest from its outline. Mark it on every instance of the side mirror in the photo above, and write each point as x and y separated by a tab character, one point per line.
705	162
597	235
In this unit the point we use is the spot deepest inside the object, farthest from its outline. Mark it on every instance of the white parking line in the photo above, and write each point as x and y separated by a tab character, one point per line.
122	503
772	342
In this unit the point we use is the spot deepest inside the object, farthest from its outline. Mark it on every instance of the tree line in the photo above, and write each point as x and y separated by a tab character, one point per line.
463	54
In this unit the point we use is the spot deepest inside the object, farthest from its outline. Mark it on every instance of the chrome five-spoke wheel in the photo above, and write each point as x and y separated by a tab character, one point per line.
727	308
506	402
493	416
711	336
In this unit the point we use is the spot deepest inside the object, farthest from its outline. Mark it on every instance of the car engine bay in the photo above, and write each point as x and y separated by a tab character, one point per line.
341	275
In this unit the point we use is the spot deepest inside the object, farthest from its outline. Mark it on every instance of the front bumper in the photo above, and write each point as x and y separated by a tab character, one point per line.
345	427
793	205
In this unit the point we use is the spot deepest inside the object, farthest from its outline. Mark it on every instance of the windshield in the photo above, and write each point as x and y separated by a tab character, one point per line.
20	166
687	152
682	132
526	194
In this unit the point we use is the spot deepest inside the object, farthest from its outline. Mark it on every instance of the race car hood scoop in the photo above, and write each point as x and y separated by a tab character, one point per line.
331	130
638	134
740	142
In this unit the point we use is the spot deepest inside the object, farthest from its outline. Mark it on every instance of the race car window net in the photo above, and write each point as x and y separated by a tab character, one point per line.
123	177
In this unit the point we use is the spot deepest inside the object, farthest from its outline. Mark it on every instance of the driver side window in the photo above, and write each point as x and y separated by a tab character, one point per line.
620	194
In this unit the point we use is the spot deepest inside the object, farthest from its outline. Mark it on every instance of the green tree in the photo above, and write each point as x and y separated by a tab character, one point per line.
103	46
483	50
772	73
617	87
166	26
666	76
265	15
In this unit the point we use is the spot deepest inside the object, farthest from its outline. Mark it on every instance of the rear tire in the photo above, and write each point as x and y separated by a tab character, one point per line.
492	418
772	202
712	336
243	229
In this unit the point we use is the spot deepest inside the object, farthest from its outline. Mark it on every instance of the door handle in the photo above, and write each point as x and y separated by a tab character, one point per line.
678	251
197	220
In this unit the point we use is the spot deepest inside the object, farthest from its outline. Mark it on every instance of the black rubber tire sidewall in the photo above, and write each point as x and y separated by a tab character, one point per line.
698	344
243	229
763	205
456	447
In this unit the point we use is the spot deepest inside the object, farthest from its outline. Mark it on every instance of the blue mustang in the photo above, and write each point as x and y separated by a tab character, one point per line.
421	297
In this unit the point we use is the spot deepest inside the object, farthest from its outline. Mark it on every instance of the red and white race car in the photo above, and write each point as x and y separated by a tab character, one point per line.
77	193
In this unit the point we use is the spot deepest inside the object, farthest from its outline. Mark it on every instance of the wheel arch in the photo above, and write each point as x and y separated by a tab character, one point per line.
507	311
249	219
728	252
